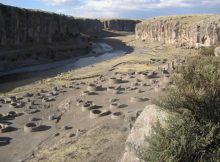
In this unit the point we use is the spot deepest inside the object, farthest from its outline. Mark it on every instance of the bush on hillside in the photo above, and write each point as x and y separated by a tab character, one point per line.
194	134
186	140
197	89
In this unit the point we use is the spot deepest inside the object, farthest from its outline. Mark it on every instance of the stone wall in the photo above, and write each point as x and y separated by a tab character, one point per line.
188	31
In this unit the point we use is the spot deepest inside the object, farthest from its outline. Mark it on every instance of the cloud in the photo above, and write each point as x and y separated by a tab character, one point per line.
132	4
62	2
113	8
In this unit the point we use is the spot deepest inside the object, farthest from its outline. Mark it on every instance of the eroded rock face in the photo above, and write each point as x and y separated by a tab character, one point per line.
188	31
120	25
142	129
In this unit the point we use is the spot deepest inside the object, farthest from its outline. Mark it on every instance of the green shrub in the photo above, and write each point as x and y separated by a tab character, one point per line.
194	134
185	140
197	89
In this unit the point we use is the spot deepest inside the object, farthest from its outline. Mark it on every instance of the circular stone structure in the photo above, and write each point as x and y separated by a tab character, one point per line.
4	128
115	91
135	99
91	87
30	127
138	91
95	113
150	75
143	76
85	107
110	89
116	115
84	93
12	114
114	81
113	106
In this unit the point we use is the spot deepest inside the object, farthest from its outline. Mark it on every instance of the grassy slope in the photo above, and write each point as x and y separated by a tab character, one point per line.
185	19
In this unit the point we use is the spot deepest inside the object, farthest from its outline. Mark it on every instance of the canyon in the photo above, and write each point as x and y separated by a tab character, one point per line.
29	37
99	111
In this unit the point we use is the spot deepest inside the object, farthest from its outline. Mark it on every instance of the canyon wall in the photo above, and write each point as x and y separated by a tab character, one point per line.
187	31
89	26
24	27
120	24
30	37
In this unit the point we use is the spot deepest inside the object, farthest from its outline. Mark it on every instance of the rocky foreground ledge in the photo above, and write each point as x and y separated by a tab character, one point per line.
186	30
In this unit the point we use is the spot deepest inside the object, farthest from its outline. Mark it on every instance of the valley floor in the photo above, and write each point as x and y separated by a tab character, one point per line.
61	103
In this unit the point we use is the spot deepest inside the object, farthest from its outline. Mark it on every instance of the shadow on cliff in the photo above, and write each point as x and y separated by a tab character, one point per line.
10	82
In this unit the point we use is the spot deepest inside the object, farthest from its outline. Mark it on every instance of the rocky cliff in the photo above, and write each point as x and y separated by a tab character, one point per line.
31	37
89	26
20	27
120	24
188	30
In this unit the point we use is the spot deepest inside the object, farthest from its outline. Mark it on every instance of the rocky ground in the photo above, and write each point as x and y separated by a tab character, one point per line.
86	114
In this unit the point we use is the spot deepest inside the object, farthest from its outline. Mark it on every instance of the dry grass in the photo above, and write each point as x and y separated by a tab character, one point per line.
90	146
185	19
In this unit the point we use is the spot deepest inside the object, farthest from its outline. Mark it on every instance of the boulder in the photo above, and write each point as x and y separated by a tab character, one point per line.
142	128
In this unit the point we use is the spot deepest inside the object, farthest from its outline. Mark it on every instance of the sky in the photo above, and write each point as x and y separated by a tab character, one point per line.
120	8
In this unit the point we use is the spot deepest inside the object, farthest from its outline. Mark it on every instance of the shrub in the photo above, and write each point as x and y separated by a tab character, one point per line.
197	89
193	134
185	140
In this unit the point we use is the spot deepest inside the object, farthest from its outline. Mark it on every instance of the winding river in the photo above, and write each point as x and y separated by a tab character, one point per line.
101	52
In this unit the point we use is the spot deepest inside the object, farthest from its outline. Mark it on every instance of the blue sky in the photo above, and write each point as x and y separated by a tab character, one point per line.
120	8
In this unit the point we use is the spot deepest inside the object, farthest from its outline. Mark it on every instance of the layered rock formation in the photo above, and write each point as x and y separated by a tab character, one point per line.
120	25
188	31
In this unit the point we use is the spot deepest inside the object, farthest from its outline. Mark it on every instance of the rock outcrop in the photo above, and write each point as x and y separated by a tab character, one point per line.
142	128
188	31
120	24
